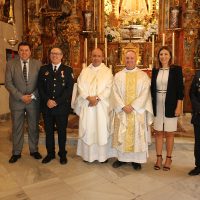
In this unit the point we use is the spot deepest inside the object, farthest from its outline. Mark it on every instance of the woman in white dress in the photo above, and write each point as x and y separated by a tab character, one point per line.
167	97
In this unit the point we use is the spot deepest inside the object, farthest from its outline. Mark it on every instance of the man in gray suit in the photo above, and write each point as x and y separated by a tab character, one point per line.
21	82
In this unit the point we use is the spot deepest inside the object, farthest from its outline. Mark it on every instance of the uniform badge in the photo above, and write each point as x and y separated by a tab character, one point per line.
62	74
46	73
72	75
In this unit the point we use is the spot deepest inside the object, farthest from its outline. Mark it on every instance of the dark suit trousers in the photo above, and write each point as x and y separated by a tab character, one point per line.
61	124
197	144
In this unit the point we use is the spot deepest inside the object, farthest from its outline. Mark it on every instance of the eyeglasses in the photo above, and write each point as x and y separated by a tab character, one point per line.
56	54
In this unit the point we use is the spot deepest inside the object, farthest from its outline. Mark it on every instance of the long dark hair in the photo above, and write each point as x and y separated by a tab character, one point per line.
170	53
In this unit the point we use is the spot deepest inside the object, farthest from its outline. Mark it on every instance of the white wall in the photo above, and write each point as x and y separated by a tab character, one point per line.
6	31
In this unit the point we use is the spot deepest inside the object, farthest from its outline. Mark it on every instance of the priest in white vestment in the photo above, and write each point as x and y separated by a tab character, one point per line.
133	114
92	106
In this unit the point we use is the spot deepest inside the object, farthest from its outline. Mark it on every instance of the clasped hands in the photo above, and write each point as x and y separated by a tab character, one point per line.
26	98
51	103
93	100
128	109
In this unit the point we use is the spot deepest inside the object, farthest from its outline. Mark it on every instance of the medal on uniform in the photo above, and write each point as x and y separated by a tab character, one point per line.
62	74
72	75
46	73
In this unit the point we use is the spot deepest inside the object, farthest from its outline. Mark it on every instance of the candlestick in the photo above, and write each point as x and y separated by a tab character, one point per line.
95	43
106	54
163	39
173	46
153	47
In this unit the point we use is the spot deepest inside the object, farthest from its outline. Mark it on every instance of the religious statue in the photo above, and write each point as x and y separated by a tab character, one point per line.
190	4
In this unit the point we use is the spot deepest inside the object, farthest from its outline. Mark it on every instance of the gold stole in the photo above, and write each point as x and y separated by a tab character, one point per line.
131	82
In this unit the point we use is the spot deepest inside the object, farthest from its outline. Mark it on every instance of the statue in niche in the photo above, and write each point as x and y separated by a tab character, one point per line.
136	6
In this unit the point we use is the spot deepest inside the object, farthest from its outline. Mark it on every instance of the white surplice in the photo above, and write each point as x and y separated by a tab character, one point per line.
94	122
143	117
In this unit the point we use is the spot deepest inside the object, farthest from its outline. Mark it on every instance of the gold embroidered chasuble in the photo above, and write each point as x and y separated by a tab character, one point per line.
131	82
130	131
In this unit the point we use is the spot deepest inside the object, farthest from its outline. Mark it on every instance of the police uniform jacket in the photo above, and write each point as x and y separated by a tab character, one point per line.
174	90
195	98
56	86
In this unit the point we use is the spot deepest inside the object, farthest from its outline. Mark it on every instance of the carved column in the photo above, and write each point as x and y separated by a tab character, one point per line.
191	27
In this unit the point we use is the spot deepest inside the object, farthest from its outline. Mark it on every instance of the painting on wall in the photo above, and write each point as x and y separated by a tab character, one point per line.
10	54
6	10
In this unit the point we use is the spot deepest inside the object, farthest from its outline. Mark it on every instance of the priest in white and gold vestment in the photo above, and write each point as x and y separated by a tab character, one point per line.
133	114
92	106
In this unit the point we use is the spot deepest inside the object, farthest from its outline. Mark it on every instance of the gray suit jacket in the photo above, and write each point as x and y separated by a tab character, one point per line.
16	85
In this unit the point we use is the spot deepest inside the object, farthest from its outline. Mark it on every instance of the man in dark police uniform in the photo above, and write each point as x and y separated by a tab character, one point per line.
195	100
55	84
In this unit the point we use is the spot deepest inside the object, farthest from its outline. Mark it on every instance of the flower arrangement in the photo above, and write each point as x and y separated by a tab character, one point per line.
152	28
107	7
112	34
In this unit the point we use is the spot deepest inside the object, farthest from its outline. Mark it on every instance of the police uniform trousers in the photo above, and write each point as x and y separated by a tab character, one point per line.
196	124
60	122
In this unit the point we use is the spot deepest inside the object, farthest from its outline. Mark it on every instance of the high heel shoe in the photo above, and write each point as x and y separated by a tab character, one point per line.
158	164
167	167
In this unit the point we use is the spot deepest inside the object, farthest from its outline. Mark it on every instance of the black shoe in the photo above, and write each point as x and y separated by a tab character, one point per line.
195	171
47	159
117	164
136	166
14	158
36	155
63	160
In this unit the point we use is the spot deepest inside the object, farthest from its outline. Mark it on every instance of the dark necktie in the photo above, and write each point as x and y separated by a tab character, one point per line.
55	69
25	72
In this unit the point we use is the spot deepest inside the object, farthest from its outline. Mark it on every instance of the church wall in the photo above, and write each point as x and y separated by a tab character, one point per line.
6	31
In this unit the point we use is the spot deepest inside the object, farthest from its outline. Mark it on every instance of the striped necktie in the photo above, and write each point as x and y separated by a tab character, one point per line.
25	71
55	69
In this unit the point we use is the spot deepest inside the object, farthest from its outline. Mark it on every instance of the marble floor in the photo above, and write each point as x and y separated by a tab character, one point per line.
28	179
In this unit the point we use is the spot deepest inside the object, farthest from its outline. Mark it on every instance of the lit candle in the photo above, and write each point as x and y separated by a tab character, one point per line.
37	6
85	44
83	65
110	66
95	43
11	10
106	54
94	17
173	46
153	47
163	39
